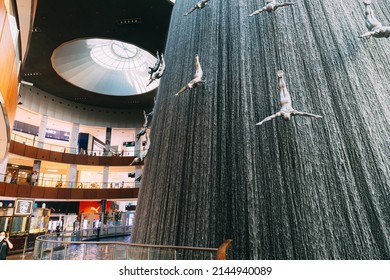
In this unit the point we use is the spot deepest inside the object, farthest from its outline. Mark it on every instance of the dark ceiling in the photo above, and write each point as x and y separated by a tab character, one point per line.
60	21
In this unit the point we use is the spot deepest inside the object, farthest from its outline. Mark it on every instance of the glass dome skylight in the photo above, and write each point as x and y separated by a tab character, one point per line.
104	66
117	55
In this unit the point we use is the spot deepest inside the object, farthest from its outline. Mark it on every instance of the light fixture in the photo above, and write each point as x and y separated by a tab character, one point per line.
27	83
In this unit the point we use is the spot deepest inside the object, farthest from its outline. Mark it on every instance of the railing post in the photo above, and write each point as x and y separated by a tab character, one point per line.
51	251
25	246
65	249
222	250
41	251
85	251
148	253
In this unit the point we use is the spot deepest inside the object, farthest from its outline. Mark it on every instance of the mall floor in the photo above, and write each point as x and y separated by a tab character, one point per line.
26	256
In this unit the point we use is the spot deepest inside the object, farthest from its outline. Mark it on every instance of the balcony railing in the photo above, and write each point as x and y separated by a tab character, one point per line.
66	149
22	180
70	246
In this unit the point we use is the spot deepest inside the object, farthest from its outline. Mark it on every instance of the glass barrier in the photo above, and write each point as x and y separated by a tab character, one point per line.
66	149
21	180
73	246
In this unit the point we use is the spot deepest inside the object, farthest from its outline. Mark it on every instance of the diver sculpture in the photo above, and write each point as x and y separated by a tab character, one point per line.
144	152
285	101
143	129
155	67
200	5
376	28
159	72
271	6
197	77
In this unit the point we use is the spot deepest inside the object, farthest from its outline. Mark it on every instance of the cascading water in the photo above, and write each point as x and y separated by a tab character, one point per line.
303	189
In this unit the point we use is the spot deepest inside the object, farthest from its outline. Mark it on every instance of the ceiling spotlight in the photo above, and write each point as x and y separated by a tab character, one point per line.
27	83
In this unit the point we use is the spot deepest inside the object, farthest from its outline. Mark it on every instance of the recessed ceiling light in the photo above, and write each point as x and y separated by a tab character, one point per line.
128	21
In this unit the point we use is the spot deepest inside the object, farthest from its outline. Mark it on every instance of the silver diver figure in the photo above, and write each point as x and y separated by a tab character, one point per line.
271	6
197	77
200	5
285	101
155	67
375	27
159	72
143	129
144	152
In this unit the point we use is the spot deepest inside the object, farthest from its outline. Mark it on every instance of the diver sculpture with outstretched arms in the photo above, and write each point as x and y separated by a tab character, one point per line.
144	152
143	129
160	71
197	77
271	6
200	5
285	101
376	28
155	67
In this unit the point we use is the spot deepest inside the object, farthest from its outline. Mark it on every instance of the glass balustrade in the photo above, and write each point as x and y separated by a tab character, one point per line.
74	246
66	149
54	183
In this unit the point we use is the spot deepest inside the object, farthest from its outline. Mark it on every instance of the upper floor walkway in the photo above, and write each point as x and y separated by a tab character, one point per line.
25	150
36	192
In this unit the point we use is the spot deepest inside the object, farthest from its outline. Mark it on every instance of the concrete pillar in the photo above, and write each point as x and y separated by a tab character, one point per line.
42	131
72	176
106	173
74	134
3	168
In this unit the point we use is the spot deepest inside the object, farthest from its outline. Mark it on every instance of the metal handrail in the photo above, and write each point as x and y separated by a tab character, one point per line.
143	250
68	150
50	183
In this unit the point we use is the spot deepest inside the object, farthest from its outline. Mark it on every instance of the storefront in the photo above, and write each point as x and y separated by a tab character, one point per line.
23	222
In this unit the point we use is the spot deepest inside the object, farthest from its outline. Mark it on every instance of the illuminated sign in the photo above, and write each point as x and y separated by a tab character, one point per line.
23	207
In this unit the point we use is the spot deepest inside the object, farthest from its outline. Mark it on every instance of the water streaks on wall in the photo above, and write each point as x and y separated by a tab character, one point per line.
304	189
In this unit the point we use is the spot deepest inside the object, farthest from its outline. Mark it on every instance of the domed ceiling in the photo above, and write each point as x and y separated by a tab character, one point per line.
127	26
104	66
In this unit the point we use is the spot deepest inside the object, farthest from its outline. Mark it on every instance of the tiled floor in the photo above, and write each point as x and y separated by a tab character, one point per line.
26	256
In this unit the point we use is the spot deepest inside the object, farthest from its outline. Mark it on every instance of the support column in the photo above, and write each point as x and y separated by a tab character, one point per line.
72	176
3	168
106	173
74	134
42	131
108	142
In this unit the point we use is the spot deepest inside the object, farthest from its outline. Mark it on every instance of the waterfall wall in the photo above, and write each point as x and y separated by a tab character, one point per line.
303	189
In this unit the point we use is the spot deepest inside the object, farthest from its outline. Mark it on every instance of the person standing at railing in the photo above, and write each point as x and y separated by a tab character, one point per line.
34	178
76	225
98	228
58	230
8	177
